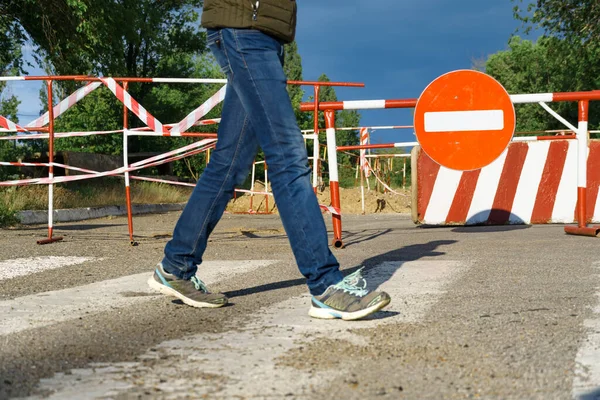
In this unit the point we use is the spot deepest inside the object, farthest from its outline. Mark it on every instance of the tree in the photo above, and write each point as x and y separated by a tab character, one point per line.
542	67
293	70
576	21
10	64
127	38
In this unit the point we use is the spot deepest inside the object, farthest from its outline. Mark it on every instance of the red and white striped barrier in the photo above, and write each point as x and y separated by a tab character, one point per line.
133	106
199	112
411	103
531	183
188	150
364	140
10	126
65	104
331	209
334	186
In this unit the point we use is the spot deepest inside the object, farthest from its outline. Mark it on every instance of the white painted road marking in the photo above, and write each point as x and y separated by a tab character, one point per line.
225	365
466	121
47	308
586	384
25	266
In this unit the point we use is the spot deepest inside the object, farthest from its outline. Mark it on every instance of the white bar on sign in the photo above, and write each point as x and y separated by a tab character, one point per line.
452	121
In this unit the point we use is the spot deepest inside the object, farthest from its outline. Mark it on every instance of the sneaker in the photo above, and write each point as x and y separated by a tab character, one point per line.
349	300
192	292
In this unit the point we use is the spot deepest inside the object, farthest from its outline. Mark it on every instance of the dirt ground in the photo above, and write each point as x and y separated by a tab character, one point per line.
375	202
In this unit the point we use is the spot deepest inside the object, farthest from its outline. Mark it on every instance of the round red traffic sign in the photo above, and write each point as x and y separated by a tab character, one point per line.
464	120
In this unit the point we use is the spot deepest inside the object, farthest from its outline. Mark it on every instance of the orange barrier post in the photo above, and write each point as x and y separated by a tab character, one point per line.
50	239
582	153
334	185
126	165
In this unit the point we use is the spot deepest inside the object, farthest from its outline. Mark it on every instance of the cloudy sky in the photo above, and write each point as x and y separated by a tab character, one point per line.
396	47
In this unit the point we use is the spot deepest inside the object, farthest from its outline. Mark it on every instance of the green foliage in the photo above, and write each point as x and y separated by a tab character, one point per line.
127	37
103	37
293	70
11	63
140	38
8	216
575	21
550	65
100	110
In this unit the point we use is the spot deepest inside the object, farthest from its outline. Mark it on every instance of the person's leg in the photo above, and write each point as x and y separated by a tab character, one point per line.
255	60
229	166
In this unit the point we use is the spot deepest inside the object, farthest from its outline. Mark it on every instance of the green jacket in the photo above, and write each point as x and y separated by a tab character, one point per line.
273	17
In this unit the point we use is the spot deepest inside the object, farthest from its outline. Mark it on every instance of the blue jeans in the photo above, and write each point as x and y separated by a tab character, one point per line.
256	112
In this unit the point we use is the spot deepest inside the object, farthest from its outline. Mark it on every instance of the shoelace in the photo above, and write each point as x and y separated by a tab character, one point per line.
198	284
354	284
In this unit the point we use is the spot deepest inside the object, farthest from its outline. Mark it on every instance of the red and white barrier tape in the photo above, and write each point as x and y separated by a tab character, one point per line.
382	182
364	140
118	171
143	178
65	104
135	107
23	164
252	192
199	112
10	126
57	135
331	209
176	151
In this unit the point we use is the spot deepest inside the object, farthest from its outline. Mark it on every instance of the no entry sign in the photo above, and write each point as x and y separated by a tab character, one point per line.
464	120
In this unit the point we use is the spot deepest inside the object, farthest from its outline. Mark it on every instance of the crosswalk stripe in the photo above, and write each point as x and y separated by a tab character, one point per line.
229	360
25	266
586	383
47	308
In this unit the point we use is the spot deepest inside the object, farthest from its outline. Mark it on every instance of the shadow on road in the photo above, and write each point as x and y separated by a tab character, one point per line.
494	220
407	253
488	228
404	254
362	236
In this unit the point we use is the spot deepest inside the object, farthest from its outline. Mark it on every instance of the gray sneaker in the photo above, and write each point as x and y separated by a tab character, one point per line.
349	300
192	292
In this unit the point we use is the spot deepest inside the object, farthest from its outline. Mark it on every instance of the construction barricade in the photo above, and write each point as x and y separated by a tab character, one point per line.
575	205
532	182
153	127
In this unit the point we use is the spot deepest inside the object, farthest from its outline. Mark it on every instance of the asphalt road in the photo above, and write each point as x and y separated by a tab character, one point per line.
509	312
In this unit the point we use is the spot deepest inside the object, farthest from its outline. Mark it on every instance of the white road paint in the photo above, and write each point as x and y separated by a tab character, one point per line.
48	308
25	266
465	121
244	363
586	384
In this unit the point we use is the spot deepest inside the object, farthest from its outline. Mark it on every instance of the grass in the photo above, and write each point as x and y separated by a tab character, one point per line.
108	192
